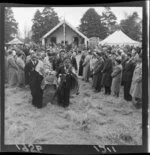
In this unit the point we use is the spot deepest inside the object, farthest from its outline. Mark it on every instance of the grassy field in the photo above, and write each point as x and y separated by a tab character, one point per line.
92	118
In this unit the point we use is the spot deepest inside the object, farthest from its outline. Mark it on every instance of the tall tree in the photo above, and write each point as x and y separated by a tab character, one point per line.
132	26
50	19
108	18
11	25
37	26
91	24
43	22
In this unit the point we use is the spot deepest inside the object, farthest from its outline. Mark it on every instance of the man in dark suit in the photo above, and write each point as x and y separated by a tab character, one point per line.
106	77
127	77
35	80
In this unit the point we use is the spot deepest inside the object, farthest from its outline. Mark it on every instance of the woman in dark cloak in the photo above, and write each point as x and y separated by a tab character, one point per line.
81	65
67	83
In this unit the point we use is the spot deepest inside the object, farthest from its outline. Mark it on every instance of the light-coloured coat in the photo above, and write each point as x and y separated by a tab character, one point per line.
21	74
116	79
136	85
12	71
86	67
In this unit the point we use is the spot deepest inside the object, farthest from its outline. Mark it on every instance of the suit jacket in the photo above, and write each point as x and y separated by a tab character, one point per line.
98	66
128	71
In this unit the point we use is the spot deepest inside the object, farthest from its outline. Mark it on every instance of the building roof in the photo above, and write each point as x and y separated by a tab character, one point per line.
15	41
61	23
119	38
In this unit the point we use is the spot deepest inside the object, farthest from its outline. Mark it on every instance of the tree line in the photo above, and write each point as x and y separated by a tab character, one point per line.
91	24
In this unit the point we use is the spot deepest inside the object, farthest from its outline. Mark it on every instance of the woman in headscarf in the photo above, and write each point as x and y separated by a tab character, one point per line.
12	69
67	83
86	67
136	86
21	66
116	78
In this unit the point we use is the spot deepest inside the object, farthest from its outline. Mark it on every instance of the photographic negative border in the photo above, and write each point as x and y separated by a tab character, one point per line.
82	149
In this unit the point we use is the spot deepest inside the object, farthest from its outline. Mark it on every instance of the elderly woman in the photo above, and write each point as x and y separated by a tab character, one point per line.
136	86
116	78
93	61
86	67
12	69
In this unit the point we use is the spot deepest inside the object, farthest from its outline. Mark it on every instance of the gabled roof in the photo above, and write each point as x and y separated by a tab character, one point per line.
118	37
15	41
61	23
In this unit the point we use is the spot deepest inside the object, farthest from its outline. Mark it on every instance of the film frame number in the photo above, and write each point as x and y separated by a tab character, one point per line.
29	148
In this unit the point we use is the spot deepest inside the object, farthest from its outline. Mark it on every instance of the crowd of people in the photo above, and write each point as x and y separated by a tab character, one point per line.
53	74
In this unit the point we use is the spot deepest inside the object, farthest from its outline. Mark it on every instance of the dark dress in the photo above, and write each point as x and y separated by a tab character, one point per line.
81	65
74	63
127	79
35	80
67	84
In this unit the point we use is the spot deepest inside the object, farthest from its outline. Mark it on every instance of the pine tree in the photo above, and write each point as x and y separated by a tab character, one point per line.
11	26
50	19
109	20
37	26
43	22
91	24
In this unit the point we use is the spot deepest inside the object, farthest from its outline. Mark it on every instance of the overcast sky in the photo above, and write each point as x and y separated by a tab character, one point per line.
24	15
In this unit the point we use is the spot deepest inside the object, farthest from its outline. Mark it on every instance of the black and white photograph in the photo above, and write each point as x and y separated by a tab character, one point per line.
73	75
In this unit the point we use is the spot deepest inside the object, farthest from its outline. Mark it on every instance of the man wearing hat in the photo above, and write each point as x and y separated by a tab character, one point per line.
97	74
106	78
127	77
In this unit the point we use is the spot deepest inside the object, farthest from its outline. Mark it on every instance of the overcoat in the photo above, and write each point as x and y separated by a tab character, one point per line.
35	80
97	74
12	71
86	67
116	79
107	70
136	85
21	74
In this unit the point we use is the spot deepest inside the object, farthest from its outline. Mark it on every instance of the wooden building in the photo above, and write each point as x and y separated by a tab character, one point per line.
64	33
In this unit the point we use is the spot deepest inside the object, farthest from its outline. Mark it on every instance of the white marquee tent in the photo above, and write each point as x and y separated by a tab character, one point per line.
119	38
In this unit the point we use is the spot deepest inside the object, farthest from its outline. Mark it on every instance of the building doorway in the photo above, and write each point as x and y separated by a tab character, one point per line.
53	40
76	41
